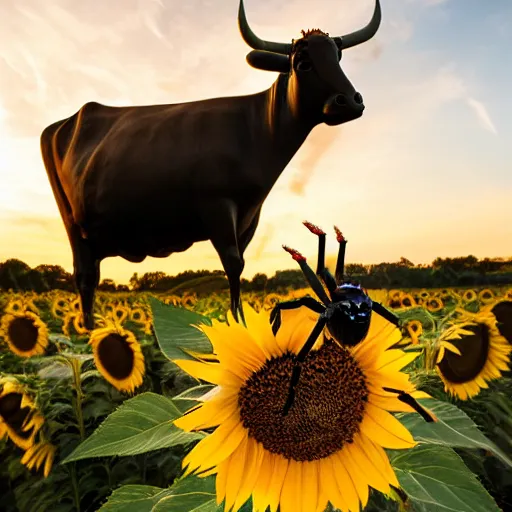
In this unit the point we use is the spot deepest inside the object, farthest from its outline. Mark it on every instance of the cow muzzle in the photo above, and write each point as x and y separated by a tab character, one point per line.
341	108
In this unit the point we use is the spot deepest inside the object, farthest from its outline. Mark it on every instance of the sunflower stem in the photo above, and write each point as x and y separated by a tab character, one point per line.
76	366
74	484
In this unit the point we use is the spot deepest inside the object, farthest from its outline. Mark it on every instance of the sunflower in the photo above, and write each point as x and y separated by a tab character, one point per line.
407	300
189	300
330	446
60	306
120	313
173	300
414	329
118	355
271	300
424	294
486	296
469	296
25	333
435	304
15	306
75	305
19	418
508	294
73	323
502	311
471	357
138	315
37	454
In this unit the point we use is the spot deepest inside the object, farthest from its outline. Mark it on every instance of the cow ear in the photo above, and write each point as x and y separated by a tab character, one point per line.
268	61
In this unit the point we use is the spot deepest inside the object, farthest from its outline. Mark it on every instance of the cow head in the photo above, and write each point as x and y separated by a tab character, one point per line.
318	89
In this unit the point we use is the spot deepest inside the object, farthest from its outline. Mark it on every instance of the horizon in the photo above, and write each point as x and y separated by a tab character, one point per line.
429	154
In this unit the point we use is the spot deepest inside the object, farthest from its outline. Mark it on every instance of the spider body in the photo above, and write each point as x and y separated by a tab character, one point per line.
346	311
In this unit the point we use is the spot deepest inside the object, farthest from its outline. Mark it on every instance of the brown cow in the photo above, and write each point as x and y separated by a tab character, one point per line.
152	180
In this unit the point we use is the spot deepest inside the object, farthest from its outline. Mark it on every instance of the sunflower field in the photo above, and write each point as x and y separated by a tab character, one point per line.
171	405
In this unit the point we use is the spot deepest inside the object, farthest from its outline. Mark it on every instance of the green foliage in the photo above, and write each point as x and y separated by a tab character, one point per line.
121	453
434	478
453	428
175	333
187	495
141	424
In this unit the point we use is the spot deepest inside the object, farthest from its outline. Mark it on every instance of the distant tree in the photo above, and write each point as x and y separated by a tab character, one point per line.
259	282
54	277
134	281
14	274
107	285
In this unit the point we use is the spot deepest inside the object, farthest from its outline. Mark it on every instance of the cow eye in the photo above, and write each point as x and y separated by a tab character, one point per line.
304	65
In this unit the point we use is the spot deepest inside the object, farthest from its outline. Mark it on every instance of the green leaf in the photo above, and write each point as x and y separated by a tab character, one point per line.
191	494
141	424
454	429
435	479
175	331
194	393
134	498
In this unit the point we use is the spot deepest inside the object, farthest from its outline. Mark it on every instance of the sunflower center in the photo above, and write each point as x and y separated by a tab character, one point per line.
474	351
11	412
328	409
116	356
503	313
23	333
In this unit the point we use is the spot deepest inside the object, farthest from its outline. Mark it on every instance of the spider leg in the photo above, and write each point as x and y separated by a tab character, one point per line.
304	351
307	301
385	313
340	263
310	276
323	272
409	400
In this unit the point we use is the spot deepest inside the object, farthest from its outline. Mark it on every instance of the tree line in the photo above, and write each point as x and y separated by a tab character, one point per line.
442	272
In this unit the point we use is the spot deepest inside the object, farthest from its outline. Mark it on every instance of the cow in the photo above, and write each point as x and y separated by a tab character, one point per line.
152	180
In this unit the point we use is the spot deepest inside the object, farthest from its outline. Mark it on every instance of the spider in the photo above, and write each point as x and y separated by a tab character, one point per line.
347	313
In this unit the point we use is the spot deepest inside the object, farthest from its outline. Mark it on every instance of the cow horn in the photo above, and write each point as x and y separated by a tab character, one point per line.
254	41
364	34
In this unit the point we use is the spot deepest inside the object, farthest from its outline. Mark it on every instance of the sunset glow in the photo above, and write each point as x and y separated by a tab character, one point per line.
425	172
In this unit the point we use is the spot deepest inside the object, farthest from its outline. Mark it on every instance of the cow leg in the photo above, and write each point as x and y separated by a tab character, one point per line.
86	274
220	219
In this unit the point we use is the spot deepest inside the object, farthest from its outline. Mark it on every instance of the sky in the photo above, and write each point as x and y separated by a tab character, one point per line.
425	172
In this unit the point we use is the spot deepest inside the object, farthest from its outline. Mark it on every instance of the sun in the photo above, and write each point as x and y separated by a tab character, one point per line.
330	446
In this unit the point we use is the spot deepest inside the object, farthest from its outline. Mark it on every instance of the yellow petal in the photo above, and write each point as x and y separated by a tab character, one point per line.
259	496
359	478
329	484
291	495
237	462
215	448
344	481
221	479
209	414
395	360
384	429
210	372
382	456
49	462
250	471
368	466
276	482
310	485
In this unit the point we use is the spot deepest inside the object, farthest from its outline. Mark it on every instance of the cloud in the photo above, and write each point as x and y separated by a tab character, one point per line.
319	142
483	116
